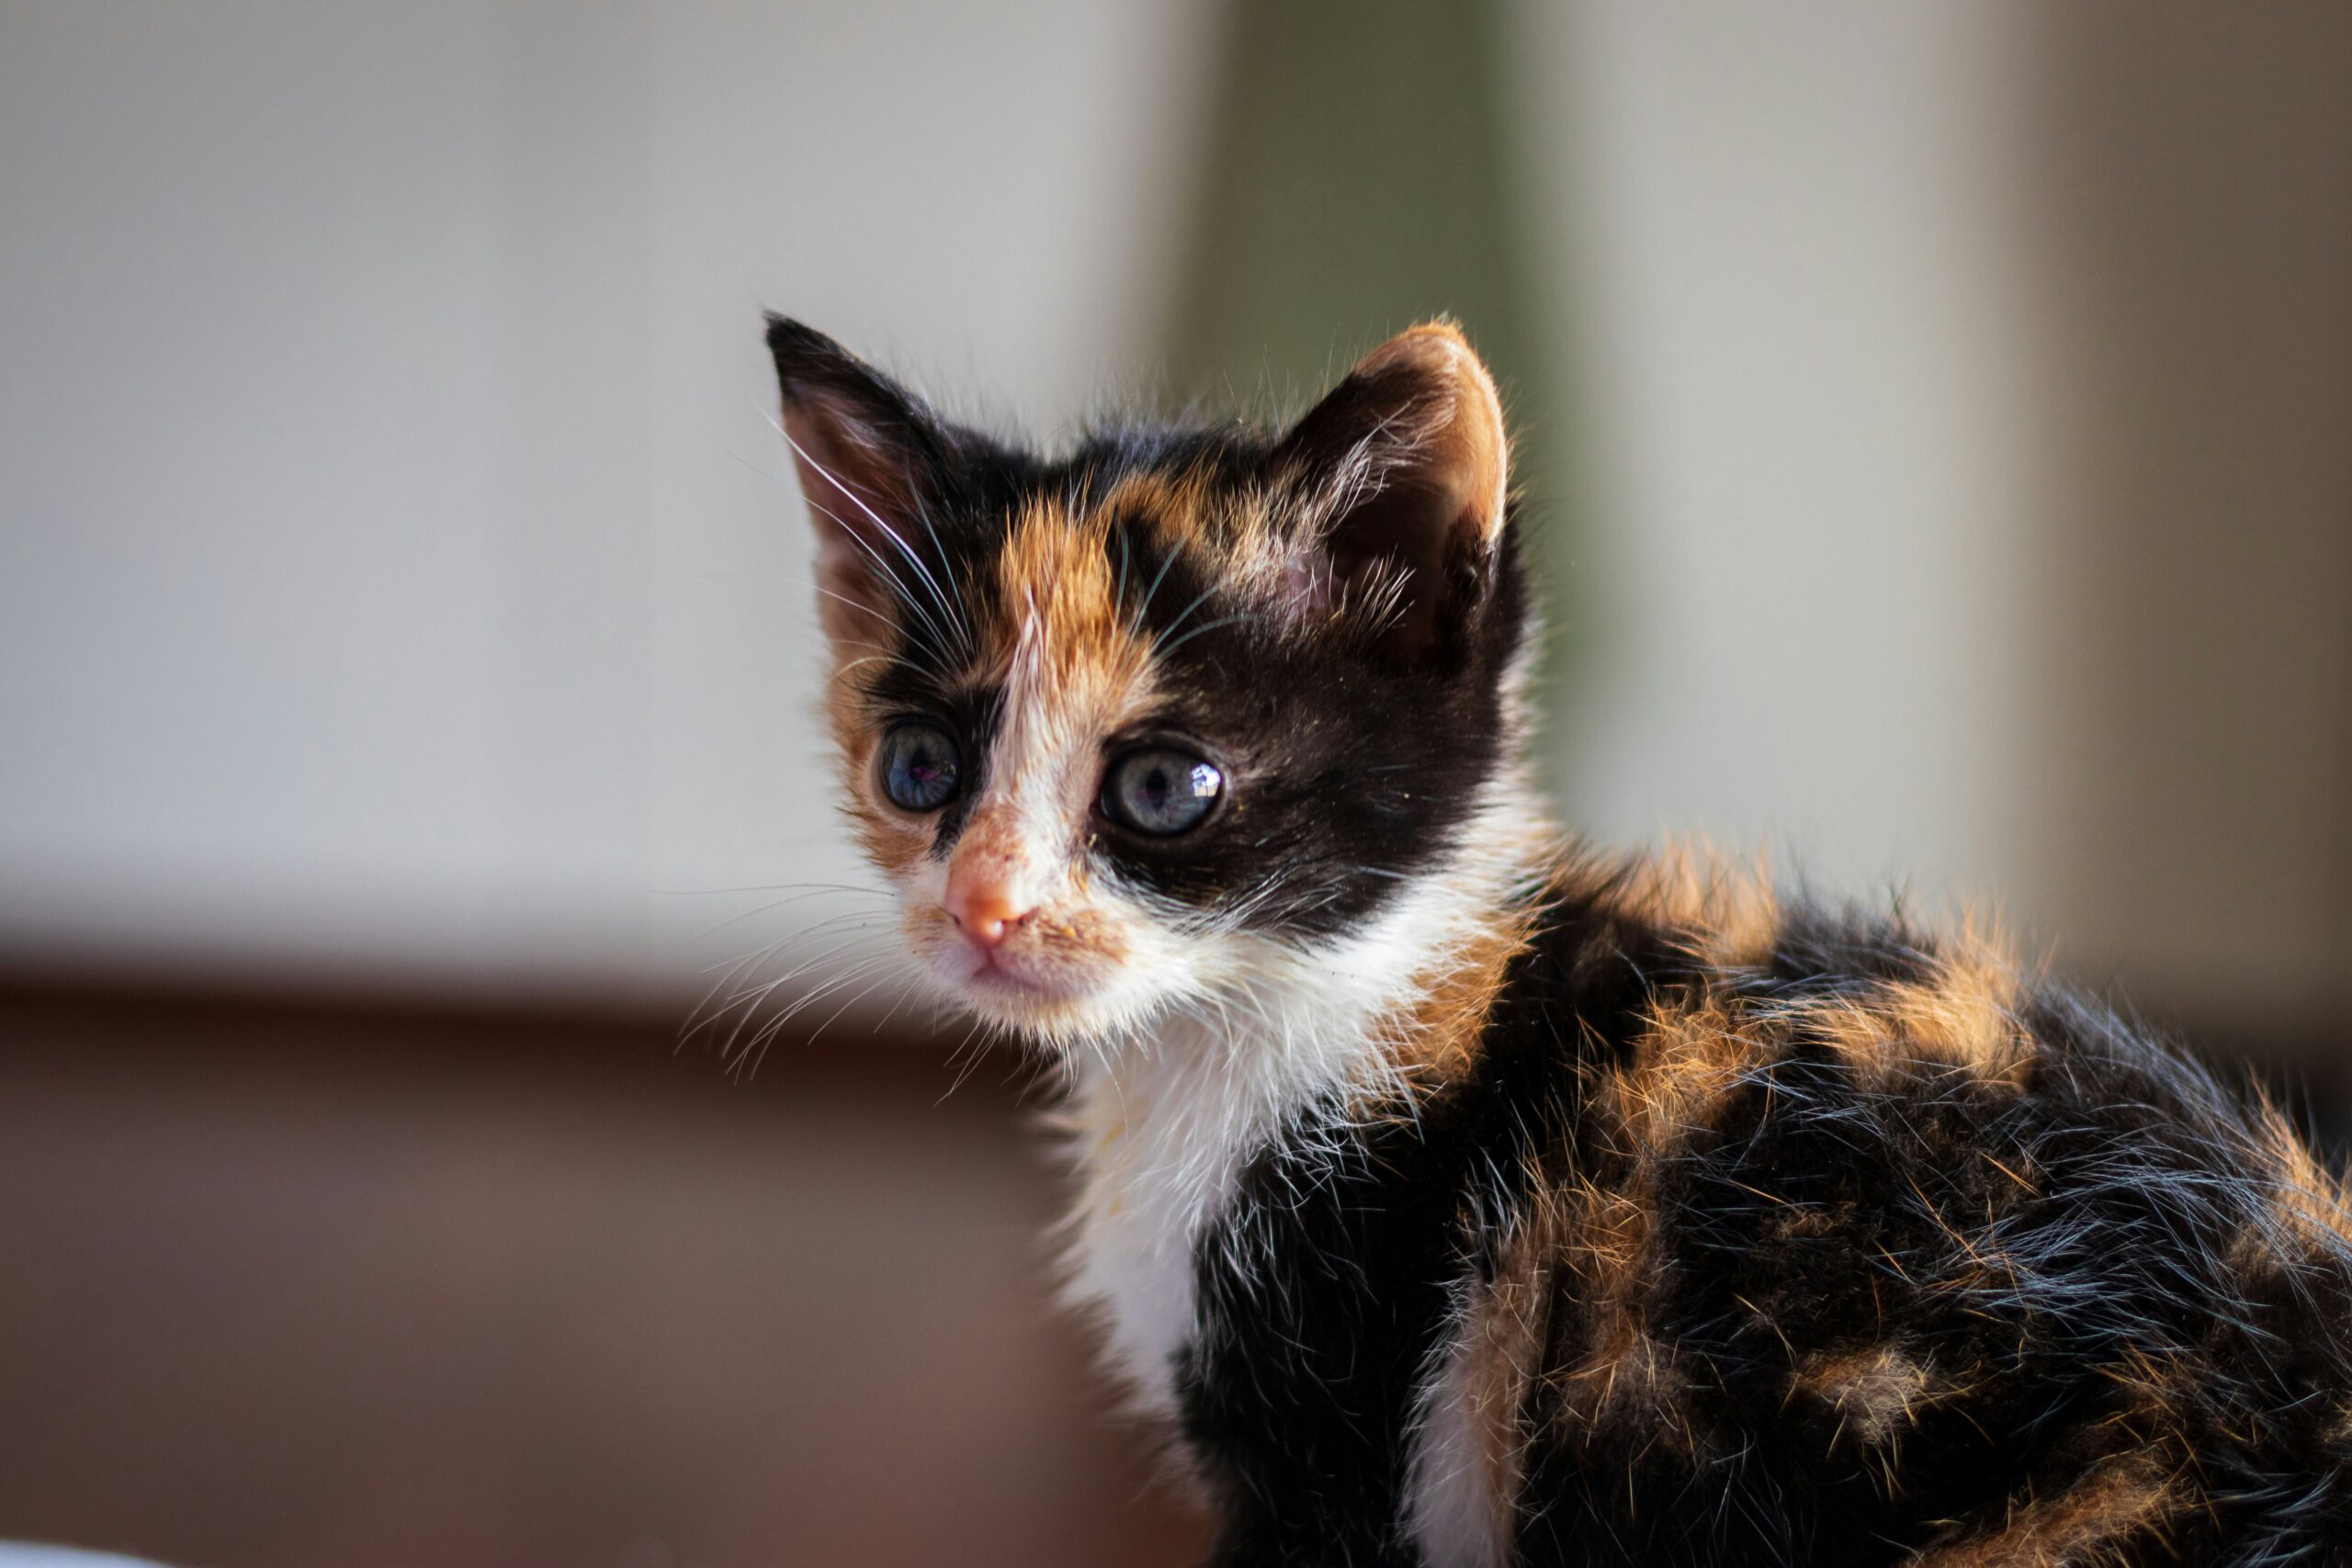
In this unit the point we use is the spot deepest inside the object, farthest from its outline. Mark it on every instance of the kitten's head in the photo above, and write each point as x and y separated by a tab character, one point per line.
1126	727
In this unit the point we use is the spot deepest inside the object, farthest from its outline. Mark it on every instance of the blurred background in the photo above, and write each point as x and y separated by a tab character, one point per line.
1937	420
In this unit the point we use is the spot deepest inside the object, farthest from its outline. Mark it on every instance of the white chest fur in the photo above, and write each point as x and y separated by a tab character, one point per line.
1161	1144
1162	1134
1163	1127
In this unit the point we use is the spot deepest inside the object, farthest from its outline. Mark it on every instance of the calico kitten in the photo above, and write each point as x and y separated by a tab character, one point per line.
1458	1196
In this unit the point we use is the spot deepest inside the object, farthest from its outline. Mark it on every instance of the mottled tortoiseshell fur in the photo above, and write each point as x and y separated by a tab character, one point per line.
1804	1239
1534	1206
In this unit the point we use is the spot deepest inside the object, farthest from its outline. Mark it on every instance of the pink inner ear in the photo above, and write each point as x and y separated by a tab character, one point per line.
847	477
1308	587
859	485
859	444
857	604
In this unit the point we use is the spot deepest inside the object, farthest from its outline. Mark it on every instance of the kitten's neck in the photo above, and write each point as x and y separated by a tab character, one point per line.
1307	1018
1161	1126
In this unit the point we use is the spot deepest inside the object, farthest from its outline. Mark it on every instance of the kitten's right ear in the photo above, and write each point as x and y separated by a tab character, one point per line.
872	461
1404	469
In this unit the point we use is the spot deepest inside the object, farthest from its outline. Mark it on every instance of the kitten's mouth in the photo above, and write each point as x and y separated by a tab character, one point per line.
1034	981
1002	980
993	973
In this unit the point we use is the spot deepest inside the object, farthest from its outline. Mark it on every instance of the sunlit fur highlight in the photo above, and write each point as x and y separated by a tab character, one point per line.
2118	1507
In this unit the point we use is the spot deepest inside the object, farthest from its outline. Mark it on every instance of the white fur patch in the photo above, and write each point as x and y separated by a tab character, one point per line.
1162	1125
1163	1129
1454	1506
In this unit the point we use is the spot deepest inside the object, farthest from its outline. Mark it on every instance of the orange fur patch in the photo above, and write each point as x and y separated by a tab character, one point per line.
1056	603
1684	1065
2126	1497
1441	1036
1726	910
2310	1200
1620	1376
1964	1016
1876	1392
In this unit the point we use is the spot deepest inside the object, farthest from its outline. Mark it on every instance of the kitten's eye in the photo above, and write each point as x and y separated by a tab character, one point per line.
1161	791
921	765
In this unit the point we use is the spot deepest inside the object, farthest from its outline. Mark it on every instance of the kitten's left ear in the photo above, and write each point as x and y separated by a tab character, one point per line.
1405	468
872	461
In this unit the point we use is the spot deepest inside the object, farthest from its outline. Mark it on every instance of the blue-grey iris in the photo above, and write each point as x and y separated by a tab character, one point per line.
921	766
1161	791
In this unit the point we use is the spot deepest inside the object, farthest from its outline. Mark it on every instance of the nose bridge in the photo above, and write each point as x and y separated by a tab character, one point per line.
990	892
1069	663
1013	843
1012	846
992	848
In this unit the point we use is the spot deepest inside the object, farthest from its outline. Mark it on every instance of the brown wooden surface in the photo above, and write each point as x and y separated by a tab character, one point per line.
289	1280
306	1285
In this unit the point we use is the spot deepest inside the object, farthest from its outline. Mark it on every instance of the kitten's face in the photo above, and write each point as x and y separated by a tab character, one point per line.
1127	729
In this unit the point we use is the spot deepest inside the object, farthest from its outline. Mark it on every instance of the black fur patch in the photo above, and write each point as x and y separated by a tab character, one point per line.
2027	1256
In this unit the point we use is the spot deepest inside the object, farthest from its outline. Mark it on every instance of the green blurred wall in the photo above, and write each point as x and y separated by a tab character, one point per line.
1363	170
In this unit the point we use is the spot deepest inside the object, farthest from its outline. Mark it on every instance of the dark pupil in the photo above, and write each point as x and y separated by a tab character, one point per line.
922	774
1164	792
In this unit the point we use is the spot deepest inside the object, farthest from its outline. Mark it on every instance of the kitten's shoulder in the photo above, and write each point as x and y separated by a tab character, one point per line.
1650	953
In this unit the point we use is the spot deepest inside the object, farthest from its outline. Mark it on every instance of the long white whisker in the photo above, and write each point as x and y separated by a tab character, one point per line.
1203	597
767	908
745	1061
905	595
749	999
1152	591
1196	631
938	594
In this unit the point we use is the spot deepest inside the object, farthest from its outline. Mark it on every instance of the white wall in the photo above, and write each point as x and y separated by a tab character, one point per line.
1964	392
398	574
1787	233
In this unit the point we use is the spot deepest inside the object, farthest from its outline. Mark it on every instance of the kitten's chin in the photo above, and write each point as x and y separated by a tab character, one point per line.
1052	1010
1049	1013
1054	994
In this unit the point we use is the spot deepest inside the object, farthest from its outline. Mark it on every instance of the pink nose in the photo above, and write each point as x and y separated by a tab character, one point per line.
985	914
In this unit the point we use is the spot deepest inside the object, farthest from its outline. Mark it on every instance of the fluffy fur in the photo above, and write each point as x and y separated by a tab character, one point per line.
1457	1196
